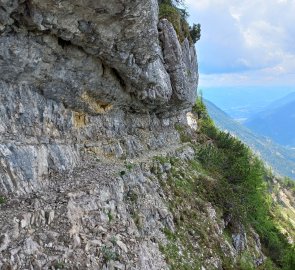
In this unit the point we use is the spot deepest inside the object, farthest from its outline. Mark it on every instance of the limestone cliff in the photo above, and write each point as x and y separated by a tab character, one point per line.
94	96
82	79
86	74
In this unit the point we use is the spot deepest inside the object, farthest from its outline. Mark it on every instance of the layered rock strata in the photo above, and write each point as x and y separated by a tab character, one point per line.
103	76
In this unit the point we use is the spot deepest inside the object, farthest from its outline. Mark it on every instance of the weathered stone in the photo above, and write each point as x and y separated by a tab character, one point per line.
85	84
113	47
4	241
73	74
122	246
49	217
239	238
192	121
180	63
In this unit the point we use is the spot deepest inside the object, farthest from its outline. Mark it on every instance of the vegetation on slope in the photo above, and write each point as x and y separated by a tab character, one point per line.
280	158
243	180
227	174
169	10
283	193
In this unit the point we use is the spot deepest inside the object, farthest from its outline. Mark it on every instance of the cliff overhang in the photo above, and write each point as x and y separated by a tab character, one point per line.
87	76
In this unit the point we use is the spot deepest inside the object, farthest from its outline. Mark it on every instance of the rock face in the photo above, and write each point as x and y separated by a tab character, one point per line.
82	82
92	218
93	55
91	75
110	214
90	93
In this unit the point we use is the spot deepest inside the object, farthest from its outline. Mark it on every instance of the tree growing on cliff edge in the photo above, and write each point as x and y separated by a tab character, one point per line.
195	32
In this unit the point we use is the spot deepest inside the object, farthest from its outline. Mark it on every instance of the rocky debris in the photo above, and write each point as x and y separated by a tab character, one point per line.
191	121
239	238
239	241
107	214
4	241
87	219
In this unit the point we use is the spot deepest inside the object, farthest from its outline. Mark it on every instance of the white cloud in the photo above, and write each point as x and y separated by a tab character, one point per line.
246	41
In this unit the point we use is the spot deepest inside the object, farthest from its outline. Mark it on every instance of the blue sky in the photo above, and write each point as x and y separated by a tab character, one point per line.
245	42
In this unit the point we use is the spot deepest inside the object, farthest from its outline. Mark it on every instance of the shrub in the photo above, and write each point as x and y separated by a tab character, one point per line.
195	32
171	13
2	200
242	187
169	10
108	254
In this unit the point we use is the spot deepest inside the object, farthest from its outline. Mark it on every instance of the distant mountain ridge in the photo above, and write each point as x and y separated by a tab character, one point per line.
281	159
244	102
281	102
276	121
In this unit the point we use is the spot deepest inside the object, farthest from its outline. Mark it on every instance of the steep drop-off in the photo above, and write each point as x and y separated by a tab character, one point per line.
279	158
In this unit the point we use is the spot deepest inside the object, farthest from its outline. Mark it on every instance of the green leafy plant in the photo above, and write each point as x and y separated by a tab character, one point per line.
114	240
129	166
195	32
108	254
226	173
132	196
110	215
2	200
137	220
59	265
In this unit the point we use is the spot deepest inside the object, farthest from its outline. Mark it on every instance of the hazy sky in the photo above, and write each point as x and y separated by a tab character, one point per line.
245	42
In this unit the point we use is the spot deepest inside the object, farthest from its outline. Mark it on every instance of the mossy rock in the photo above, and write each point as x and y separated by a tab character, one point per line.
173	15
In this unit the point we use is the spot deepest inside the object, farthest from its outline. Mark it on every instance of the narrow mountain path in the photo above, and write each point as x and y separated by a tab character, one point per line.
77	218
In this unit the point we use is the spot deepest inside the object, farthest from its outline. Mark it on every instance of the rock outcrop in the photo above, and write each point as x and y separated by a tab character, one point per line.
81	81
91	95
93	55
110	214
79	75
